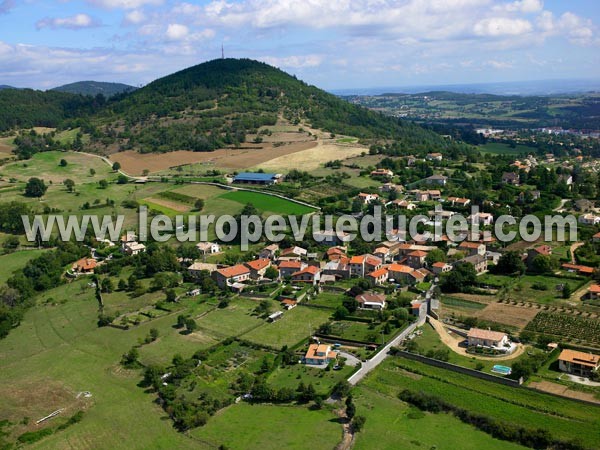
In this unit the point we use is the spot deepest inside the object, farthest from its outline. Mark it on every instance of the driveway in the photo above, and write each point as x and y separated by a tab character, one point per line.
351	360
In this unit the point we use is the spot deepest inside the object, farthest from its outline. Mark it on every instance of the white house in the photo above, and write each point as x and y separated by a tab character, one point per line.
208	248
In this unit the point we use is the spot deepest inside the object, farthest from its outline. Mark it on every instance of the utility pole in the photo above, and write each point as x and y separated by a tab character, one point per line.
222	52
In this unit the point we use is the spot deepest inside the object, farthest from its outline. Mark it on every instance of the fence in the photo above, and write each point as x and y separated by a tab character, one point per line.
459	369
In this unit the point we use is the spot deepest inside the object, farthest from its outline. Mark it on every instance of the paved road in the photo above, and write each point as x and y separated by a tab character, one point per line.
384	352
560	207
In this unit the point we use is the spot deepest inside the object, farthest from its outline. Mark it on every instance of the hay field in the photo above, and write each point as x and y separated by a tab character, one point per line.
313	158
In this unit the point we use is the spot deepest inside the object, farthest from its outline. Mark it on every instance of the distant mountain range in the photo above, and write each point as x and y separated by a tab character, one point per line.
523	88
95	87
6	86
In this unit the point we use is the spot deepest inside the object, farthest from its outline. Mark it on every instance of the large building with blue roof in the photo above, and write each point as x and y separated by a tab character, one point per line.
257	178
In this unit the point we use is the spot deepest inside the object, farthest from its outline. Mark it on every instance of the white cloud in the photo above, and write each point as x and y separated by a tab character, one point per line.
76	22
502	26
124	4
135	17
176	31
524	6
293	62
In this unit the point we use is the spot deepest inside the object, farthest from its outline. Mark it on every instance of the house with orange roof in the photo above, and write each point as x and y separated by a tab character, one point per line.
293	253
382	173
310	274
400	273
383	253
594	292
84	265
434	156
227	276
596	237
319	355
578	363
258	267
403	204
581	270
440	267
357	265
532	253
288	268
269	251
416	259
372	263
458	201
378	276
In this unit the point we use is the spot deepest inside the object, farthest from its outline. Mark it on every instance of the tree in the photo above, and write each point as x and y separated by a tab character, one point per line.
271	273
122	179
69	184
190	325
542	264
122	284
566	291
116	166
35	188
171	295
340	313
130	358
510	263
107	285
103	184
460	279
92	172
358	423
63	163
199	204
263	307
435	255
11	243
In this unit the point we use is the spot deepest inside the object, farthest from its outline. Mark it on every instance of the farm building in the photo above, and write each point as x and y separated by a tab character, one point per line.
487	338
257	178
578	363
275	316
319	355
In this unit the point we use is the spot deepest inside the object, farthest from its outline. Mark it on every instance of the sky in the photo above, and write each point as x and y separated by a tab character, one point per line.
333	44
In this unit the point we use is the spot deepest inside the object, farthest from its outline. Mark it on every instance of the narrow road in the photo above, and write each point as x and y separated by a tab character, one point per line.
560	207
574	247
370	364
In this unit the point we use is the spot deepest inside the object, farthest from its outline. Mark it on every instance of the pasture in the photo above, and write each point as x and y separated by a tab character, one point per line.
266	427
12	262
498	148
46	166
393	424
295	325
562	418
267	203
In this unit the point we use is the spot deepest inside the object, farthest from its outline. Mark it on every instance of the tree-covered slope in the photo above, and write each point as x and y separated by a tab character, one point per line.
94	88
26	108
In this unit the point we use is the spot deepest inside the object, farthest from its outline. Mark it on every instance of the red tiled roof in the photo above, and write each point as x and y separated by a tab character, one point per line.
441	265
378	273
358	259
290	265
310	269
418	254
400	268
233	271
258	264
466	244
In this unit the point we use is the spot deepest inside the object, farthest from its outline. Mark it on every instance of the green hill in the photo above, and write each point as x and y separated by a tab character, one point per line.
215	104
95	87
205	107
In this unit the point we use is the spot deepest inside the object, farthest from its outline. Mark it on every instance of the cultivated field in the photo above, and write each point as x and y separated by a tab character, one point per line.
251	155
513	316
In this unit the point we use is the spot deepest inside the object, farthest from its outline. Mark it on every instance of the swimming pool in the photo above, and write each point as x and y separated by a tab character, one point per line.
502	369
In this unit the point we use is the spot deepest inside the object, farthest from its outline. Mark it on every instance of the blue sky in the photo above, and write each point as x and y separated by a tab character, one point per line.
330	43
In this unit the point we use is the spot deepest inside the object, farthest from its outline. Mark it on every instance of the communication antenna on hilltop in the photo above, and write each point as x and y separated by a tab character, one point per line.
222	52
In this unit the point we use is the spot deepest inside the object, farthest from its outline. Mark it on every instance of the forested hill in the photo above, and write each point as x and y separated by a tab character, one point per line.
208	106
26	108
94	88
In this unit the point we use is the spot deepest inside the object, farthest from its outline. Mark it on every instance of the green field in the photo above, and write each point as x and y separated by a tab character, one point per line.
45	165
265	427
267	203
498	148
563	418
296	325
392	424
15	261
